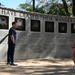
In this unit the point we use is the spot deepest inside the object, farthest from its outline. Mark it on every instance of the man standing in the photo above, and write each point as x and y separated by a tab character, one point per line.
11	44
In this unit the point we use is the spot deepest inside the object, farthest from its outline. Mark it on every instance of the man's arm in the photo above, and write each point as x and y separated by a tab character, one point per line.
12	39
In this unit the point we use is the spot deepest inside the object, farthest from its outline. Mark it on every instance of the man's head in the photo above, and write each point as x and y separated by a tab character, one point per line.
14	24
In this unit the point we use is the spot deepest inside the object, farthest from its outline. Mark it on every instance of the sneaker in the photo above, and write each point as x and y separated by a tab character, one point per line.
8	63
13	64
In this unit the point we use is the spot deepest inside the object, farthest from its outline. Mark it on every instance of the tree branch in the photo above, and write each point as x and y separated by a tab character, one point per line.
66	7
73	7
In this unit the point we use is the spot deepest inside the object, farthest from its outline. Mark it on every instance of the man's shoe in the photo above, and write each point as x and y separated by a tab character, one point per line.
13	64
8	63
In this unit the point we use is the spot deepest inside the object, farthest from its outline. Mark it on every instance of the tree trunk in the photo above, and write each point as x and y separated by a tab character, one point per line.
66	7
33	5
73	7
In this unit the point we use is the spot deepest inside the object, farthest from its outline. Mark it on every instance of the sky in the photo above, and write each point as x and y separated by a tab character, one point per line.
12	3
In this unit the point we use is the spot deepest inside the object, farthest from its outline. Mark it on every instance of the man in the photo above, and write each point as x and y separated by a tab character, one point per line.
11	44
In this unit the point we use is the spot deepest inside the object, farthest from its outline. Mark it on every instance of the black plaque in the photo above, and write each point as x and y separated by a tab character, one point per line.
35	25
49	26
73	28
20	24
4	22
62	28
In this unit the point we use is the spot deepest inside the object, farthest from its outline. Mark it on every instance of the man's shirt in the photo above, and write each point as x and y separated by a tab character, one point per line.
12	31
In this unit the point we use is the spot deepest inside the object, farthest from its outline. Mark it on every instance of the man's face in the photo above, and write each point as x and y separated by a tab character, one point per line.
15	25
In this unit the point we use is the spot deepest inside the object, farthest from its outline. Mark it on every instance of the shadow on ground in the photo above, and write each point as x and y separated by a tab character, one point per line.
35	70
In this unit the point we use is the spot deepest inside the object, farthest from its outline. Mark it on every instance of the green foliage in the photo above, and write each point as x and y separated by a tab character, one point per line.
29	7
40	10
26	6
57	9
48	6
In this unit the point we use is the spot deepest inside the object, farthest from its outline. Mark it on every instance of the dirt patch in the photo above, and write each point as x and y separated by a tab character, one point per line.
39	67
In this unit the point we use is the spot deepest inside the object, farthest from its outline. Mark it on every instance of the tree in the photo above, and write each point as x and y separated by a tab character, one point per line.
33	5
54	7
40	9
26	6
65	7
1	4
73	7
72	4
57	9
29	7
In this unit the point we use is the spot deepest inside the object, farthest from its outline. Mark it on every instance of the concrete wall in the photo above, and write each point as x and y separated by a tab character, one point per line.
34	45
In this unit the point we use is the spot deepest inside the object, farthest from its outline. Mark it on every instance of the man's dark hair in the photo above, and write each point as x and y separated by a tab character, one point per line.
13	23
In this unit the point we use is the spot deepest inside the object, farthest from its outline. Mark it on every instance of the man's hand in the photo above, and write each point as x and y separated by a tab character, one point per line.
12	39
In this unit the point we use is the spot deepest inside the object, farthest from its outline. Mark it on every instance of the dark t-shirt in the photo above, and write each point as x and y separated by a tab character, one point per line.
12	31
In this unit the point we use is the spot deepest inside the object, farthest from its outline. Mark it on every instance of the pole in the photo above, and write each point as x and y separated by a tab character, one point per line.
33	5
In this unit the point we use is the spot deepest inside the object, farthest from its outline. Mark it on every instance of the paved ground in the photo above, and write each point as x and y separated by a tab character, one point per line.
39	67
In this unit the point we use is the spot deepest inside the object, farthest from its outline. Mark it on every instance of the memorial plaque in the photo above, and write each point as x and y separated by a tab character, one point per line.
20	23
49	26
35	25
4	22
73	28
62	28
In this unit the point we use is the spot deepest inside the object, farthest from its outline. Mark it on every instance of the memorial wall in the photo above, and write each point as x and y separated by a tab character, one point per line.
38	35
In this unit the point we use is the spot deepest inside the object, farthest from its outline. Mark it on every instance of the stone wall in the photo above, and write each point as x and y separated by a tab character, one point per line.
38	44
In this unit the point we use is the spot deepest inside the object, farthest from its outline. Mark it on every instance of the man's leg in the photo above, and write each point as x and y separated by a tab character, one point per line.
8	55
12	54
